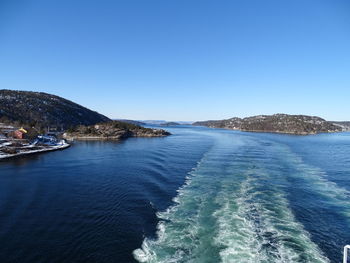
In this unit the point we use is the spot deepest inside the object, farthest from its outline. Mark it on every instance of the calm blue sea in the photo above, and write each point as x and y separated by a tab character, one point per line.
200	195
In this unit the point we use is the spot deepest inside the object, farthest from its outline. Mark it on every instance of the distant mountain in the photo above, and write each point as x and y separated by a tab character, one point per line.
140	123
162	122
279	123
42	109
185	122
153	122
171	123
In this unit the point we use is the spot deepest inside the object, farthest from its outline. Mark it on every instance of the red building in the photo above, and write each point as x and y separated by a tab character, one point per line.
19	134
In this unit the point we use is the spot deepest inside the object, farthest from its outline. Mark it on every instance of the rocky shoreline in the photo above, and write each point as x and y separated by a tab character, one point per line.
114	130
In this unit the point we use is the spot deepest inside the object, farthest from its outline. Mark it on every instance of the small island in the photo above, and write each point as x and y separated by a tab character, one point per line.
277	123
113	130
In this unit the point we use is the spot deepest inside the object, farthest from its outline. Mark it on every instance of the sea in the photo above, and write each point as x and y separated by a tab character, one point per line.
200	195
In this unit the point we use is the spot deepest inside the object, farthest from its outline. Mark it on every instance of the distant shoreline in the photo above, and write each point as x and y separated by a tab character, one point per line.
291	133
274	132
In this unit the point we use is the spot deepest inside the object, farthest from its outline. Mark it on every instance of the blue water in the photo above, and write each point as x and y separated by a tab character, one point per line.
200	195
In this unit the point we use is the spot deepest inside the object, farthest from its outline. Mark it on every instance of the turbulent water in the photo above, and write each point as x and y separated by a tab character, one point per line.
200	195
239	202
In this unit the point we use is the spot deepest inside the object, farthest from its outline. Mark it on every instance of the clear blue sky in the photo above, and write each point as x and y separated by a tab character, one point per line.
181	59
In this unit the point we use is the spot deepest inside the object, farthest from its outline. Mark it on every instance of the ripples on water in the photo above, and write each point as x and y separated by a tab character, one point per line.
200	195
247	201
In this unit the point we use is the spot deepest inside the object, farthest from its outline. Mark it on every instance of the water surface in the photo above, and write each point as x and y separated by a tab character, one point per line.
200	195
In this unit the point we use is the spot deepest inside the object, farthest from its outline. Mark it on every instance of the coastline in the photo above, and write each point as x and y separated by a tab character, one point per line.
291	133
103	138
275	132
46	149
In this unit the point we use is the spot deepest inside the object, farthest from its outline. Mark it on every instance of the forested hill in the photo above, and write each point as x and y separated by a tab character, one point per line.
42	109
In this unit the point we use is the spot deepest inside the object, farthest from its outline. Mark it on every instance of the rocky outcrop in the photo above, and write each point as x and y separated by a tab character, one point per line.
279	123
113	130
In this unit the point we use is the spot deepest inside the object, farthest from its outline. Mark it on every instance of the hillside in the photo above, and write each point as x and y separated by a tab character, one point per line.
112	130
345	125
279	123
42	109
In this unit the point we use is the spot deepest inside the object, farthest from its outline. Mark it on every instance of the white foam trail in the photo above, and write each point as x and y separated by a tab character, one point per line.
316	181
228	211
252	229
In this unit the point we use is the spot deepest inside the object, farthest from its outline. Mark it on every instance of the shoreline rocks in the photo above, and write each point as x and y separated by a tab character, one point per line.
114	130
